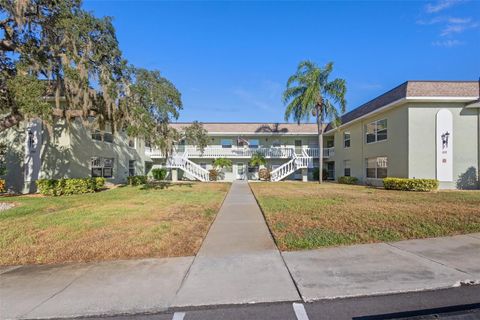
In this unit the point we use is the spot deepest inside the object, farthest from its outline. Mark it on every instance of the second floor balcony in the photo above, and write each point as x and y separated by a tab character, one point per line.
213	152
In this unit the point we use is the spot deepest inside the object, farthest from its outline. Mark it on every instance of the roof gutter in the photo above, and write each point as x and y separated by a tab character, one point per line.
474	103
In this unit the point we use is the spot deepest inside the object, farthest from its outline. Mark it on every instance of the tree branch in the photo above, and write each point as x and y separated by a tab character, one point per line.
10	121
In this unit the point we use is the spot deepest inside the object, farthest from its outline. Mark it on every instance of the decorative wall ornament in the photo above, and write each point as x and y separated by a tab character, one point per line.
444	145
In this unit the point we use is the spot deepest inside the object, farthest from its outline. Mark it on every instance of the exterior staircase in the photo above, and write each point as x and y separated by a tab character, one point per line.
181	161
296	162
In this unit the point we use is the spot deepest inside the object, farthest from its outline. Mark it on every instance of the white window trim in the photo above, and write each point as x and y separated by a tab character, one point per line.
365	132
349	139
376	167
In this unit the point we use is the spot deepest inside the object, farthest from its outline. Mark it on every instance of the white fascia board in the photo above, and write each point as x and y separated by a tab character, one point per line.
260	134
405	100
384	108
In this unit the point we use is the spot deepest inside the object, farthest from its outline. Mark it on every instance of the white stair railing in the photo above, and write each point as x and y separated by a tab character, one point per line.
181	161
295	163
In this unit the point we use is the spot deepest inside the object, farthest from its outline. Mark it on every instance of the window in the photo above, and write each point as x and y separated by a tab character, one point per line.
377	167
346	139
346	168
226	143
253	169
131	143
203	165
376	131
108	137
276	143
131	168
102	167
96	135
253	143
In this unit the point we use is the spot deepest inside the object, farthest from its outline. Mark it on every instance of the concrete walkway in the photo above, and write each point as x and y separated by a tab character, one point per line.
238	261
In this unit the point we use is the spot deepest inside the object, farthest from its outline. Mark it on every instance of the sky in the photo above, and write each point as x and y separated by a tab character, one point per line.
231	60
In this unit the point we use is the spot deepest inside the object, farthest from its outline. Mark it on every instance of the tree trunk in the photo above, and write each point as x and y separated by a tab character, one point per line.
10	121
320	145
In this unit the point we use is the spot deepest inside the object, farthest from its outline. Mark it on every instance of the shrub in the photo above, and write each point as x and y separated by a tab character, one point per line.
213	174
52	187
264	174
2	186
347	180
137	180
99	183
159	173
410	184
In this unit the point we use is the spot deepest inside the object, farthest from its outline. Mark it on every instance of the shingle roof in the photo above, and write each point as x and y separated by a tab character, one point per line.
254	128
411	89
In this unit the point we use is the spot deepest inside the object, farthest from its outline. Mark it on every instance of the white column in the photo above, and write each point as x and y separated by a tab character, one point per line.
305	175
174	174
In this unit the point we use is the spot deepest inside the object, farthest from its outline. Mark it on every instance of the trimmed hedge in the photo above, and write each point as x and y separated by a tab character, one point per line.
347	180
2	186
404	184
159	173
60	187
137	180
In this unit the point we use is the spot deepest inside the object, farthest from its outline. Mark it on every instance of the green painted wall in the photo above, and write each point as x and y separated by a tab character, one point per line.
422	147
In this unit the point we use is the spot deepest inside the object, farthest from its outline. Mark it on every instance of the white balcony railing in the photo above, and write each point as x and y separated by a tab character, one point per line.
235	152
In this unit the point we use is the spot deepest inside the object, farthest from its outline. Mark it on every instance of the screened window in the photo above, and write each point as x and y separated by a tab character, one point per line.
346	140
131	168
346	168
253	169
377	168
226	143
108	137
101	167
253	143
97	135
276	143
376	131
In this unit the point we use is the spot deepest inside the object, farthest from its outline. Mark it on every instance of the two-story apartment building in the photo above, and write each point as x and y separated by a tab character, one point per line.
420	129
35	151
284	146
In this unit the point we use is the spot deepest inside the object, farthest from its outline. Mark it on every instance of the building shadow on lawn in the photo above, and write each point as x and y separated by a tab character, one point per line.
164	185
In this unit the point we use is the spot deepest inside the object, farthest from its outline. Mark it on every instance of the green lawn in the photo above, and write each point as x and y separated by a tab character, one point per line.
126	222
309	215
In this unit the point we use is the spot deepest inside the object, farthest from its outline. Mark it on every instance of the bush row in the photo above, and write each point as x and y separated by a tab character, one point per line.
410	184
159	173
53	187
137	180
347	180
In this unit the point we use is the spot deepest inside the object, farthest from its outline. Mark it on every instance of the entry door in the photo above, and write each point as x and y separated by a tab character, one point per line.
298	147
331	170
240	171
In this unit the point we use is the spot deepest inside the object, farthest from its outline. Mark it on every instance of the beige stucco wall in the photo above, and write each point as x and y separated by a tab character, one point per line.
395	147
422	146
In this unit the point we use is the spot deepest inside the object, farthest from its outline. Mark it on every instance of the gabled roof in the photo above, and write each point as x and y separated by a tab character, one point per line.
253	128
416	90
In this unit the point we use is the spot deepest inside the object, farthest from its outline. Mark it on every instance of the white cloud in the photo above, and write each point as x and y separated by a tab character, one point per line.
440	5
447	43
456	28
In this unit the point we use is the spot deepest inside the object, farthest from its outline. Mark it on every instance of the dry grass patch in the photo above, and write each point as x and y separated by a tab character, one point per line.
309	215
127	222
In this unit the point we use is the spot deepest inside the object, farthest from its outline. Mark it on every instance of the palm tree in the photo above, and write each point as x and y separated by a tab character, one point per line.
310	93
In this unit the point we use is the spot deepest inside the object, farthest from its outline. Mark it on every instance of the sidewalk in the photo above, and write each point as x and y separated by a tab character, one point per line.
237	263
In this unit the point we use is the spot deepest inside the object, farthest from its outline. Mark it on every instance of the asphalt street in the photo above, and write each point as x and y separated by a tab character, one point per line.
461	303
